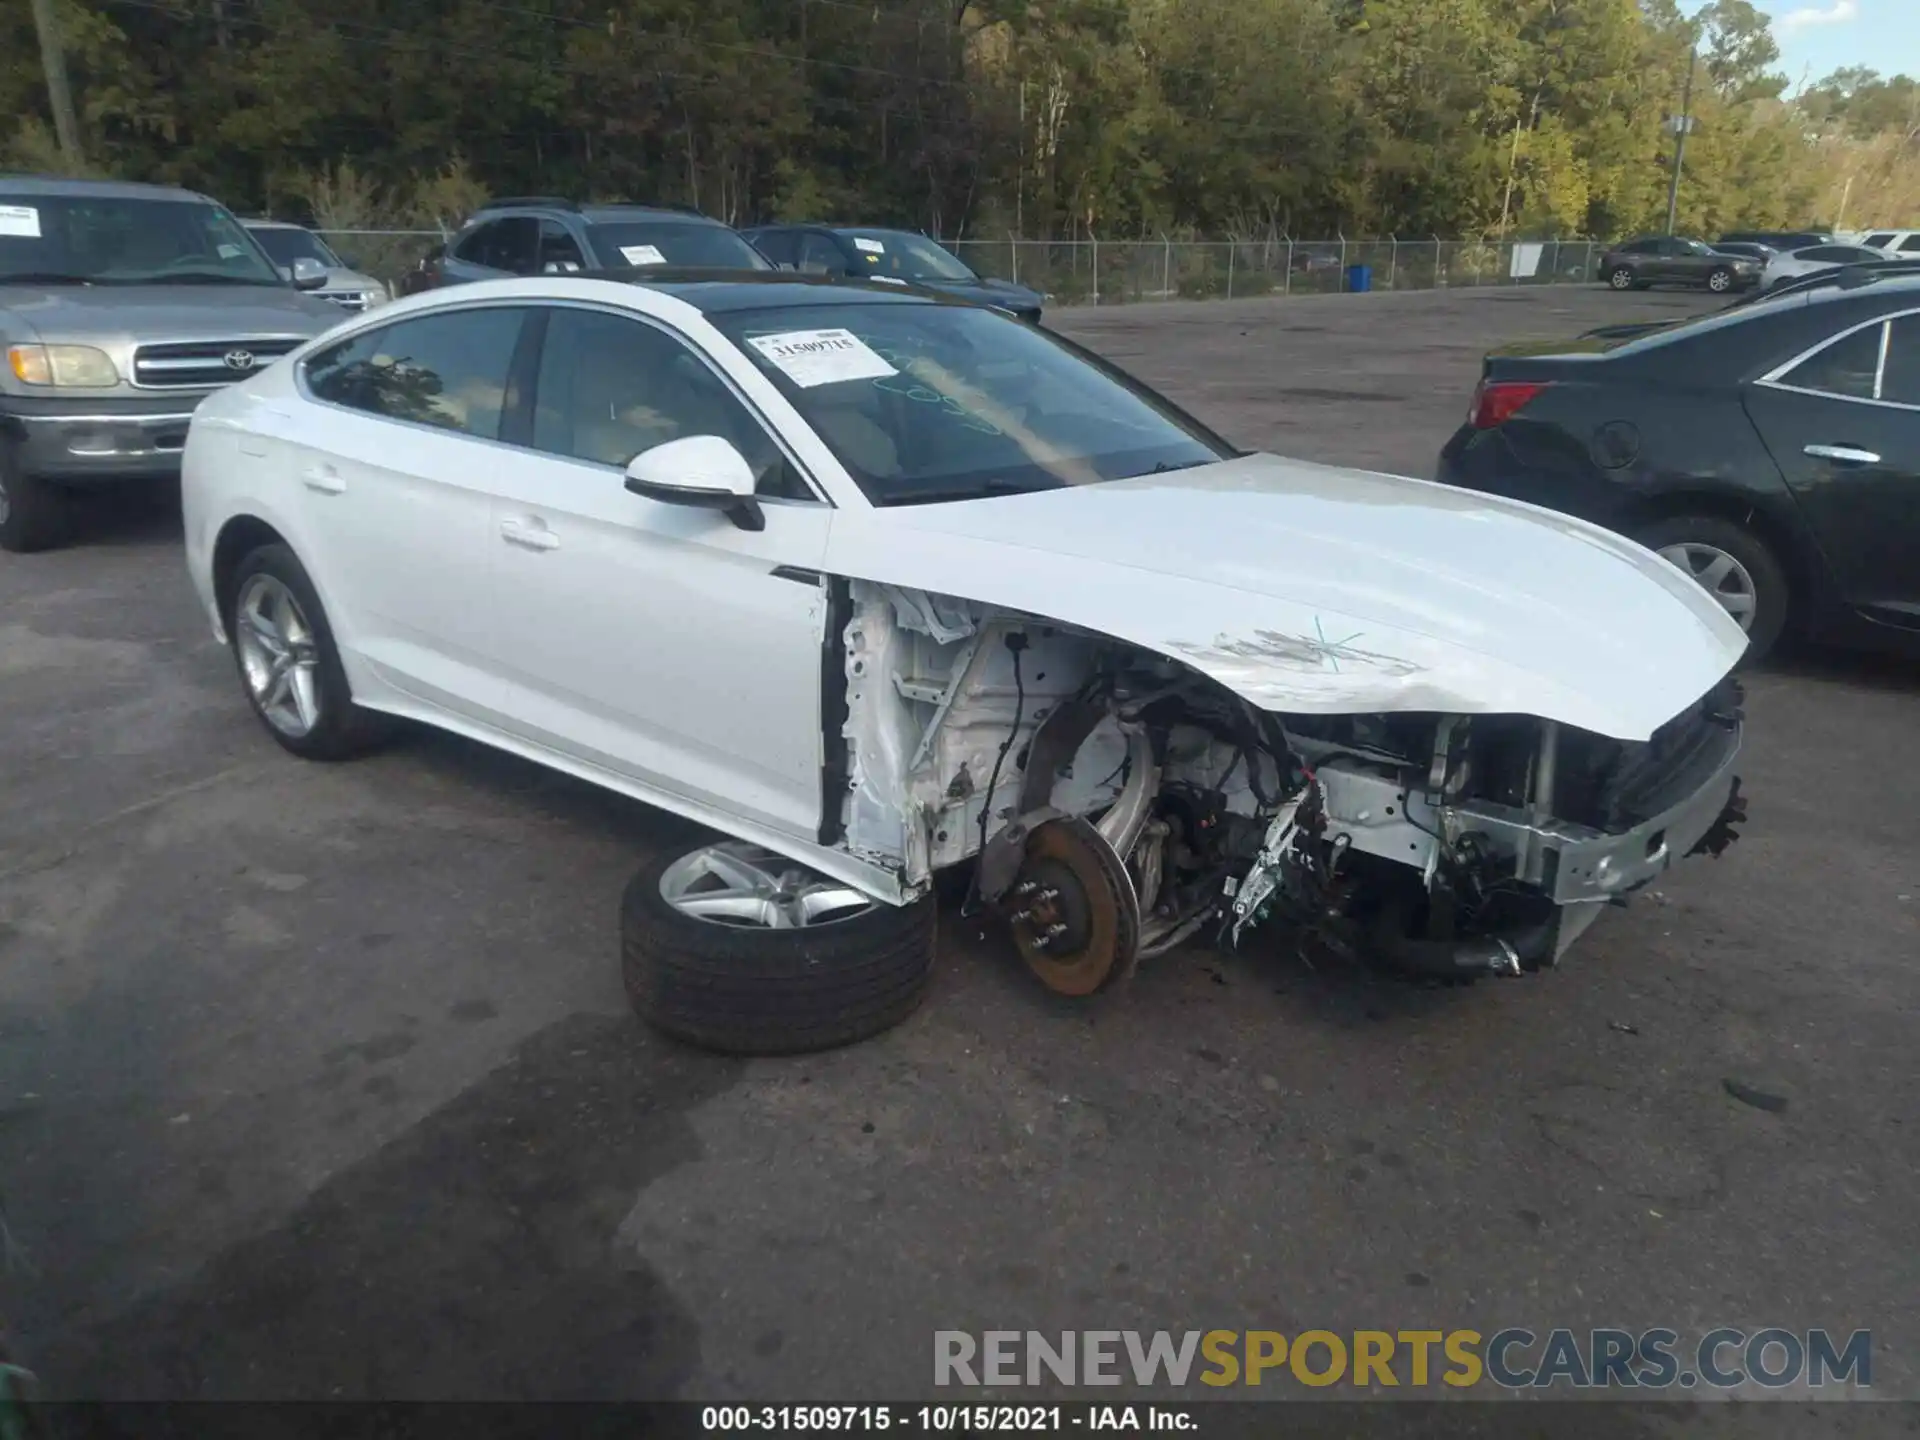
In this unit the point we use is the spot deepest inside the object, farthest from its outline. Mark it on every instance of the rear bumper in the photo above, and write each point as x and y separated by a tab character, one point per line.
76	441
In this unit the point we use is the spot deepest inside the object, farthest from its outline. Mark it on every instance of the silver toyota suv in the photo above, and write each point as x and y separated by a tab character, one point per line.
121	308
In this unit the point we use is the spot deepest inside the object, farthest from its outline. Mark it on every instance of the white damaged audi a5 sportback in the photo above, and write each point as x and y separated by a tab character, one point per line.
875	583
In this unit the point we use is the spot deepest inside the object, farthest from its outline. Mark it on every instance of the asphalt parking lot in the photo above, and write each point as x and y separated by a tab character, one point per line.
318	1082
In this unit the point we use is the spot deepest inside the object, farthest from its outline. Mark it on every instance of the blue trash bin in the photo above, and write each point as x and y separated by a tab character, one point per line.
1359	277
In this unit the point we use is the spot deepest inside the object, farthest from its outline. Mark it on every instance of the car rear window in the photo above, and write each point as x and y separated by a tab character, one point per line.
644	243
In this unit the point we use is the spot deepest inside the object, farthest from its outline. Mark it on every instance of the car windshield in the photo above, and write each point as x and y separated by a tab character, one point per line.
622	243
901	256
289	245
928	403
95	240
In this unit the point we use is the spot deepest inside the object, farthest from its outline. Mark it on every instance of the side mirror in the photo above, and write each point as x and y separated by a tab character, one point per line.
703	471
308	273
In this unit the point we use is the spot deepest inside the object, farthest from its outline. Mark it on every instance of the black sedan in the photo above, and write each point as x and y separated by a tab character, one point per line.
898	256
1772	451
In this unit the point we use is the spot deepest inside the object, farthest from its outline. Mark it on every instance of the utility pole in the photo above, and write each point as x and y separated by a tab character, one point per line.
1681	125
53	60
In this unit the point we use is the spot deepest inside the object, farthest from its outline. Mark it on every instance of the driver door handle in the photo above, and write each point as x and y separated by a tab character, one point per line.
323	478
529	535
1843	454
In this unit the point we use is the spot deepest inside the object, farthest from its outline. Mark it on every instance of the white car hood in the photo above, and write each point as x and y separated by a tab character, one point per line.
1318	590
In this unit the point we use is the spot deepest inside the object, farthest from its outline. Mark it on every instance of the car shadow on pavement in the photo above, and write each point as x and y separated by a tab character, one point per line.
1873	670
141	516
473	1257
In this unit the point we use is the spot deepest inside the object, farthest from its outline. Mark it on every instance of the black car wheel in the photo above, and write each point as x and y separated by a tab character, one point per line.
34	515
1620	278
1720	281
1733	565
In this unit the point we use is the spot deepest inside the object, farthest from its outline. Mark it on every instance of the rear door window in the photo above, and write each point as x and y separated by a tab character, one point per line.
1900	376
448	370
1847	367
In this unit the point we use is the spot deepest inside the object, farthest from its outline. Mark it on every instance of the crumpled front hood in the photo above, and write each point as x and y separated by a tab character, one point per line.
1312	589
140	314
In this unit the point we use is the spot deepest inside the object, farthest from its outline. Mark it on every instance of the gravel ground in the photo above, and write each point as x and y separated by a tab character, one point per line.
318	1082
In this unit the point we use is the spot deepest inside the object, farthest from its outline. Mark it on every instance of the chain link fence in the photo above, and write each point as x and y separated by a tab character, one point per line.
1107	272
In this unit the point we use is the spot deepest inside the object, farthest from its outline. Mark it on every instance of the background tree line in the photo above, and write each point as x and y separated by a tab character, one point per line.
1046	118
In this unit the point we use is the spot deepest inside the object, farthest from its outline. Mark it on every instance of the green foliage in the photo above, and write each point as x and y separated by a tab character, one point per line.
1109	119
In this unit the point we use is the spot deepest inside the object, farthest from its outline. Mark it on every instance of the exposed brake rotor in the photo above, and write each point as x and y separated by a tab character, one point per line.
1074	912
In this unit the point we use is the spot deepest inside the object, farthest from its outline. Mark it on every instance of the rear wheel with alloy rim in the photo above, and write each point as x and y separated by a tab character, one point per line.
288	661
1734	566
736	948
1621	278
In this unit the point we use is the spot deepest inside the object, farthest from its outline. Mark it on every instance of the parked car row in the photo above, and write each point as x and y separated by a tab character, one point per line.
1742	260
551	235
123	306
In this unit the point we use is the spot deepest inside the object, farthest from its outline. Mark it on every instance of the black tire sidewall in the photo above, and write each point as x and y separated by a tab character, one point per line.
343	729
39	514
1773	595
749	991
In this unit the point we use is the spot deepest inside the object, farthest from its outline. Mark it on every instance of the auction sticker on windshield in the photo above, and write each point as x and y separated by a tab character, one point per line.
20	220
642	255
822	357
869	247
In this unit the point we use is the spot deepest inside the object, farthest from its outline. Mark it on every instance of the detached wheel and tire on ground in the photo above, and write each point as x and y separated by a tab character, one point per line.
734	948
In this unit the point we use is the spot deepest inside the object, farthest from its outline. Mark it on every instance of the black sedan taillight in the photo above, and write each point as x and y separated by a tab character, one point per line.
1497	401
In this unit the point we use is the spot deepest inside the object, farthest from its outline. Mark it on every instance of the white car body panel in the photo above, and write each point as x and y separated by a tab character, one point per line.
652	649
656	641
1317	590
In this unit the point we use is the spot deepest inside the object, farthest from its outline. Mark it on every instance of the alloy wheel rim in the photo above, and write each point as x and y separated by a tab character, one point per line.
1716	282
1720	575
1621	279
750	887
278	656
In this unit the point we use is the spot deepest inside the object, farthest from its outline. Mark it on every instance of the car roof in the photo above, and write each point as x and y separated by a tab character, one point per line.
595	214
717	292
54	185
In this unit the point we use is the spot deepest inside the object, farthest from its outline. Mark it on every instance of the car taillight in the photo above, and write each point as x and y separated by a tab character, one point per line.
1497	401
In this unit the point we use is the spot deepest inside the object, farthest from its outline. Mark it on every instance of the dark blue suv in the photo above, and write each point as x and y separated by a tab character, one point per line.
544	235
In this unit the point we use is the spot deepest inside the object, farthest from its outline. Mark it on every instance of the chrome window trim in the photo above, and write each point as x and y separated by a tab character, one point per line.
1773	381
530	303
